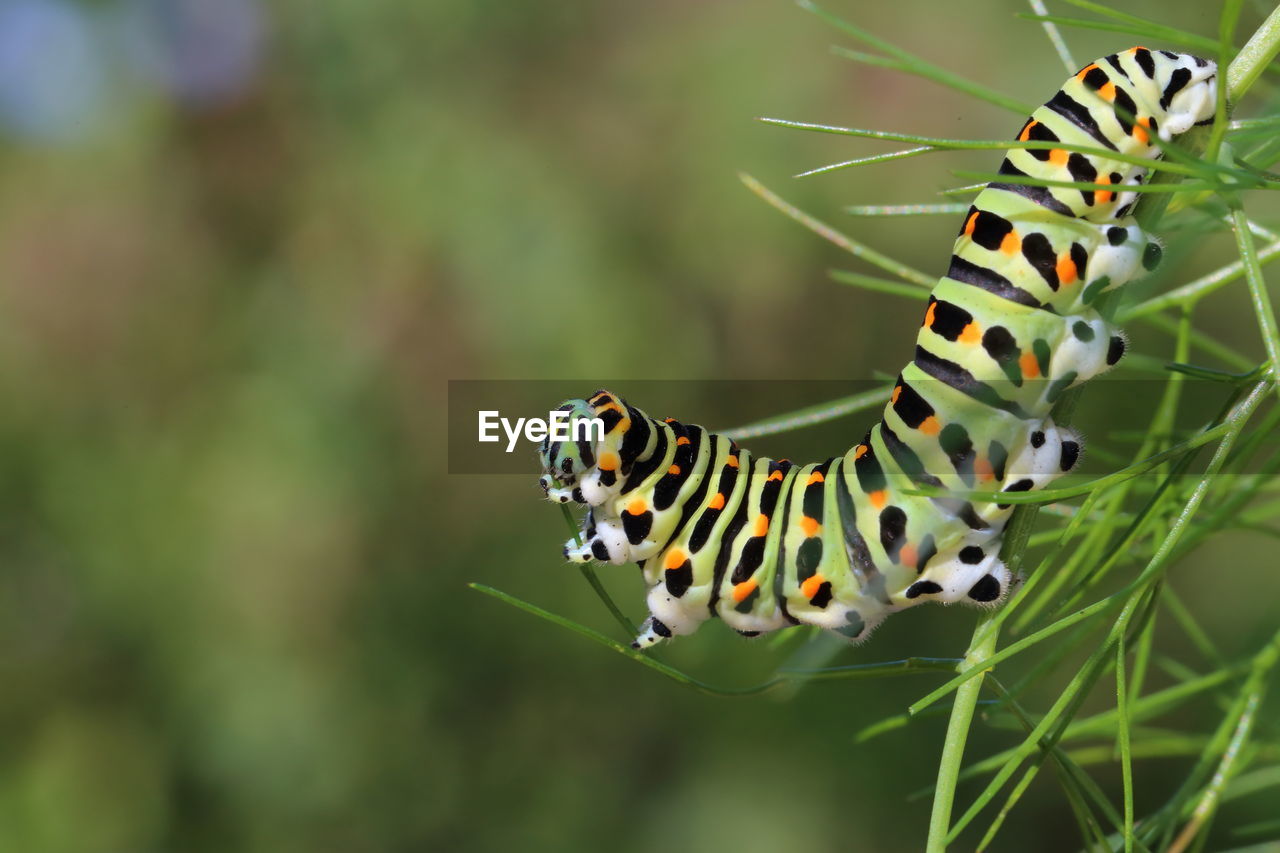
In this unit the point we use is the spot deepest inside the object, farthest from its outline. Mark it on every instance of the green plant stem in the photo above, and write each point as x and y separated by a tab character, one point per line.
982	647
1068	702
1259	51
986	635
1124	745
1254	57
588	572
1257	287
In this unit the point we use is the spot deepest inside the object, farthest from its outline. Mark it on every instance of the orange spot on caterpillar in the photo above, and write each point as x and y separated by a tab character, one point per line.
810	526
811	586
1085	71
608	462
878	498
742	590
717	501
1026	131
982	468
859	451
1058	157
897	392
1107	91
776	475
674	469
732	461
908	556
603	395
762	525
1030	367
928	314
1011	243
969	224
674	560
668	420
1103	196
1066	269
815	477
684	439
1140	131
970	334
637	506
1136	49
930	425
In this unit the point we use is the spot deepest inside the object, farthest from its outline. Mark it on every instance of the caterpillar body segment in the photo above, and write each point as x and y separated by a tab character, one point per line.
1009	328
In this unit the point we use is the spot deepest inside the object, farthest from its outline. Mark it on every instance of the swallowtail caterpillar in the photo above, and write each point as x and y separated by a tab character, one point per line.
766	544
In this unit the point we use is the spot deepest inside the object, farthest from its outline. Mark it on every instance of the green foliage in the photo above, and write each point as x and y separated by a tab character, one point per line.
1099	587
234	567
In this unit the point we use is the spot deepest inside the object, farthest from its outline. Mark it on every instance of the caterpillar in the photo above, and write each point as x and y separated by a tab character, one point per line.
766	544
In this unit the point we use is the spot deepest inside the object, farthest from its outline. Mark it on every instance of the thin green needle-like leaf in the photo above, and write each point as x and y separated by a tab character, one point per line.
1115	478
906	209
626	651
1226	27
1148	27
825	231
1262	123
906	666
1209	799
1077	688
1083	793
811	415
1025	180
1106	722
880	285
1197	288
1125	746
915	65
1145	31
1203	342
589	573
1225	745
969	189
1191	628
1055	37
1251	783
1156	562
929	144
866	161
1209	374
1257	288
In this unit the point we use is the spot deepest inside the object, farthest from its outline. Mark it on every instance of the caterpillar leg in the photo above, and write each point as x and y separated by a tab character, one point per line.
1050	452
971	571
1091	347
652	632
1124	252
972	574
677	615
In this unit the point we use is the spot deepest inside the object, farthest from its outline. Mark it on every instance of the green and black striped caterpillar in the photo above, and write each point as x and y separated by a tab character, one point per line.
766	544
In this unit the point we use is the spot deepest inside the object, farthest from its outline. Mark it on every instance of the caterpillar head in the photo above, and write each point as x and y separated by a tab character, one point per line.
564	460
1188	90
583	457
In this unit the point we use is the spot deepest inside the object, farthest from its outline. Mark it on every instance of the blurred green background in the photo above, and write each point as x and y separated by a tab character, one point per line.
243	247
